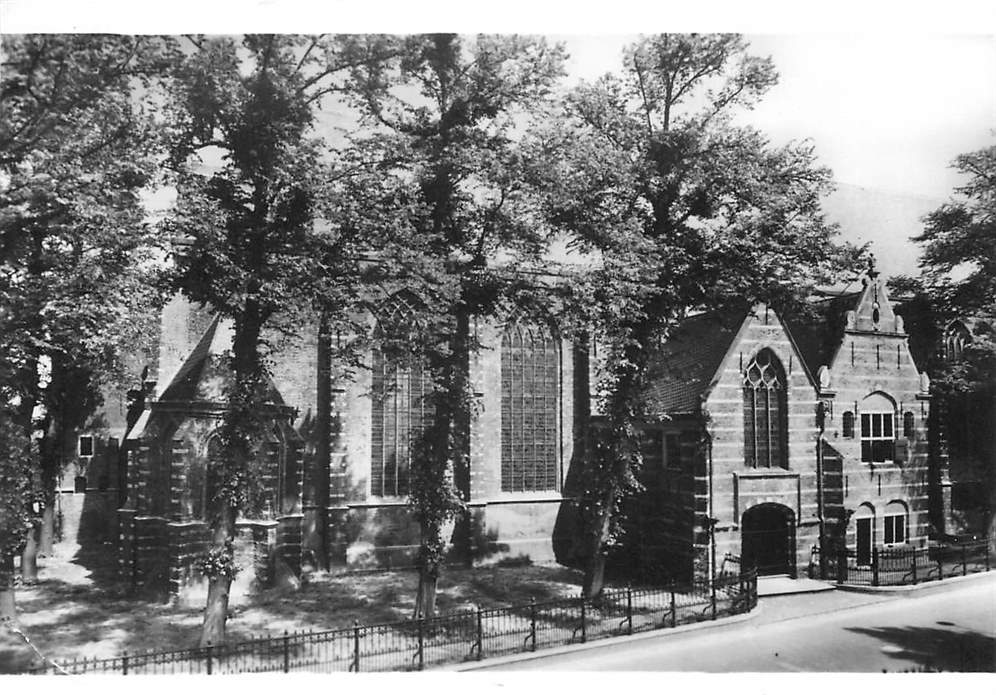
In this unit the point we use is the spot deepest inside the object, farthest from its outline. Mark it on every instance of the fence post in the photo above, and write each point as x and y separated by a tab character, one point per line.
286	652
208	653
914	565
874	566
480	635
940	563
532	624
629	609
842	566
421	641
356	647
674	610
584	633
712	597
124	664
986	546
964	564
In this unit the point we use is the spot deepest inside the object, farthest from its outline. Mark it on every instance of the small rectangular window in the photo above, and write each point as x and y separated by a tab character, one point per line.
895	529
86	445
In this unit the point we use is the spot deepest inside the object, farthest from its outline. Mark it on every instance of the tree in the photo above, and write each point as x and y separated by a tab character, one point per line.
78	150
684	209
958	282
16	465
252	248
453	109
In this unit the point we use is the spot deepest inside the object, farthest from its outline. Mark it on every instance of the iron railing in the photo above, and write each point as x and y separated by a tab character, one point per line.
900	566
455	637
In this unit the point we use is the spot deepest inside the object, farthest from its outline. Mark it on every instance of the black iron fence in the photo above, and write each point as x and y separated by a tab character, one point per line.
899	566
451	638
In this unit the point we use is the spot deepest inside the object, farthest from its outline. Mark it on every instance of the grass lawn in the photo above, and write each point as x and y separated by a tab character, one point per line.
71	614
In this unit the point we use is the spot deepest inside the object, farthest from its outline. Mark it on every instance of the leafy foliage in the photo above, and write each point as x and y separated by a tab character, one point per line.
17	493
447	116
957	287
959	239
684	209
252	249
77	261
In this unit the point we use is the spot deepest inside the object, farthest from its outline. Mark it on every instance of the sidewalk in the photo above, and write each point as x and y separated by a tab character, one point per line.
771	609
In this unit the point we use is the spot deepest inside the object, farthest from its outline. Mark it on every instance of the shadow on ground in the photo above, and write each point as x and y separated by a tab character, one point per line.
77	609
944	648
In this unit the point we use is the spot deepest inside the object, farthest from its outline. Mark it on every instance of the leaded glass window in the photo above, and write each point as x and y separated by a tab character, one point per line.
765	417
530	408
400	390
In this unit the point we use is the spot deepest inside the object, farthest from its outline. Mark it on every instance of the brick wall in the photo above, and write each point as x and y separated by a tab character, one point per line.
365	531
874	357
736	488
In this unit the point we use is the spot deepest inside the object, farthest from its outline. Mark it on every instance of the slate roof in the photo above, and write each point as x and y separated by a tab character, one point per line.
818	328
685	364
205	372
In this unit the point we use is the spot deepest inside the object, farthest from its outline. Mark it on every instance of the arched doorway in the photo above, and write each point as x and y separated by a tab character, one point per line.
767	535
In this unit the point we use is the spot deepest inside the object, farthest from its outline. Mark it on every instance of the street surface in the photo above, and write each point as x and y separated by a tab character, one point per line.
949	629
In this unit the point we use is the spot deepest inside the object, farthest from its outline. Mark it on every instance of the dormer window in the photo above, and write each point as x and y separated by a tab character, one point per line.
86	446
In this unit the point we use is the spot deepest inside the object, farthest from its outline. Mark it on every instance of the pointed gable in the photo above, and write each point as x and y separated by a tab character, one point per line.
873	312
205	375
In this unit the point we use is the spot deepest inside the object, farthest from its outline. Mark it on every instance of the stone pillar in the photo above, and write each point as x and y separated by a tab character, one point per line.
179	496
126	547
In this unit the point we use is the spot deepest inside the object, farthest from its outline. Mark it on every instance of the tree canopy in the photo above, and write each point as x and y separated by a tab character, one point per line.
449	117
685	210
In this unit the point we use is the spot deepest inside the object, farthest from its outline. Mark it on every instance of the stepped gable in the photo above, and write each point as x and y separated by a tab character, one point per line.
684	366
205	374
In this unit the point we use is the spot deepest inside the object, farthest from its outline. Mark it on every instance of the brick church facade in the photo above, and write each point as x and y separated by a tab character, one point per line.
772	438
769	436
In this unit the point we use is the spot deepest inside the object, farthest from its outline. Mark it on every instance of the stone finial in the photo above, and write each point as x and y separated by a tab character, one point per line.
850	319
900	324
924	382
823	376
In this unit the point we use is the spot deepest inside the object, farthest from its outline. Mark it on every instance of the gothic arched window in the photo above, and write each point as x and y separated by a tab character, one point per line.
956	337
400	389
530	412
765	417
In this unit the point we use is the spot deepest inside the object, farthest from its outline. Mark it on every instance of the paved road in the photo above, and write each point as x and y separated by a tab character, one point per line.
948	629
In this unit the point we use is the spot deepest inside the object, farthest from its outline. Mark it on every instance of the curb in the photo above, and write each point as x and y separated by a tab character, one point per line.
912	589
499	661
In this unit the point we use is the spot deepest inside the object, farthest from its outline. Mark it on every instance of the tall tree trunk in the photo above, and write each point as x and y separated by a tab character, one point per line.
612	460
46	542
425	599
594	570
219	584
8	608
460	394
29	556
239	432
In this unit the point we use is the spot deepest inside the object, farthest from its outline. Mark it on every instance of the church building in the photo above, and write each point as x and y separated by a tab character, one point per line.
774	437
768	436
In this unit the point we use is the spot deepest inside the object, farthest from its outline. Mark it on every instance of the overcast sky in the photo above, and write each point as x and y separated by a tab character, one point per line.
884	111
887	109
